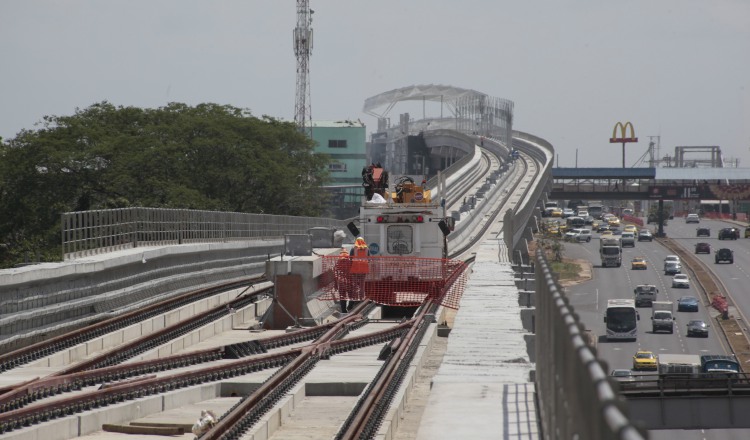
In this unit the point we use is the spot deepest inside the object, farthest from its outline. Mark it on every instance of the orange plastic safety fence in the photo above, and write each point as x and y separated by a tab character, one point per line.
393	281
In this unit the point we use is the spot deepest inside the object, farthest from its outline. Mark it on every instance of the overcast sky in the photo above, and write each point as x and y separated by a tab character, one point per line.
679	69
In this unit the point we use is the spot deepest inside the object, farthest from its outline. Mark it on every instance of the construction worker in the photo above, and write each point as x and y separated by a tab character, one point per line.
342	277
360	266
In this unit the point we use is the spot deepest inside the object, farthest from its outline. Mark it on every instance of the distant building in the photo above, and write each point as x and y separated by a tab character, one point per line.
345	142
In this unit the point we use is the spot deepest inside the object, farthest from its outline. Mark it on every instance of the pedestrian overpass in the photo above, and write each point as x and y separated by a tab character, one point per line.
651	183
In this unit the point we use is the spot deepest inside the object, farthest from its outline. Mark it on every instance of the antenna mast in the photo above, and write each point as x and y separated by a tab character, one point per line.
303	43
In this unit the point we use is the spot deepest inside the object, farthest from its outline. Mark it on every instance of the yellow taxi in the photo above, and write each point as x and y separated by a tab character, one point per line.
644	360
613	221
638	263
556	212
606	233
553	229
630	228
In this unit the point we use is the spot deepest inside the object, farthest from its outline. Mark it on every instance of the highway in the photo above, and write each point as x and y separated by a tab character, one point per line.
590	298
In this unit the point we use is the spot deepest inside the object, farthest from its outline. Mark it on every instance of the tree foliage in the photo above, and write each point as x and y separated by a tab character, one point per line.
211	157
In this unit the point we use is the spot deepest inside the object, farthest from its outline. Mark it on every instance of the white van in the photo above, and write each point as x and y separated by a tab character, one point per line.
627	239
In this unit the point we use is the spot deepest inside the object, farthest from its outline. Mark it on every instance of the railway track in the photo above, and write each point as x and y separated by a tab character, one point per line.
41	349
42	399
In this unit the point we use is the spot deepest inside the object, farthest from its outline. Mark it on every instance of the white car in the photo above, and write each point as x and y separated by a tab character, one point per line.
669	258
692	218
572	235
584	235
681	280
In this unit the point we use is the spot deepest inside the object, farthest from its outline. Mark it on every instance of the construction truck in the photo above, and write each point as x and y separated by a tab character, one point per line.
662	316
645	295
402	220
610	251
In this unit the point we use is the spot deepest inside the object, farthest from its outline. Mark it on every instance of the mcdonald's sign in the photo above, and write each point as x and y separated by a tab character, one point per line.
623	134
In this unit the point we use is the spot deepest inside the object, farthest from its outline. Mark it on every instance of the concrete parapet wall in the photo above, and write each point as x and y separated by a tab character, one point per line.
44	300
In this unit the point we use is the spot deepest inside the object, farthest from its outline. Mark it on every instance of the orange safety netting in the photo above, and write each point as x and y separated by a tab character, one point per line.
394	281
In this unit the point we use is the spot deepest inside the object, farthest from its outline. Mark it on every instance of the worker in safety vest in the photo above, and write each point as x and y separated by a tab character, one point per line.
342	277
360	254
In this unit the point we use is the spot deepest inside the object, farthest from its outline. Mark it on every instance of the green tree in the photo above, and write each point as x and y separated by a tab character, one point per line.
212	157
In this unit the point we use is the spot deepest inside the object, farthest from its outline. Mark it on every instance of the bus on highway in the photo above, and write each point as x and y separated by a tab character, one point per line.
621	319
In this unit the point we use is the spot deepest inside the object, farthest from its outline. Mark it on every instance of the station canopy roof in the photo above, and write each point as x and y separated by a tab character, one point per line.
429	92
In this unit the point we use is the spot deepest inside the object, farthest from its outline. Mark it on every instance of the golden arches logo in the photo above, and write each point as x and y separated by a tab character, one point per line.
623	133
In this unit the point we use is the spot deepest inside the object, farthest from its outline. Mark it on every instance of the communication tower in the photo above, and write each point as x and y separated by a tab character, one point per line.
303	43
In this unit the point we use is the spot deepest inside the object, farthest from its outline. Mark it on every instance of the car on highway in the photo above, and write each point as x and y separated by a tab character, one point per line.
567	212
696	327
584	235
645	235
613	222
703	232
638	263
702	248
606	233
669	258
630	228
554	212
681	280
687	304
644	360
729	234
672	267
627	239
578	235
692	218
724	254
622	375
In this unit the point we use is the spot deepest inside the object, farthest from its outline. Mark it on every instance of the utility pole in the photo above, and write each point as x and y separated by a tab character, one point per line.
303	44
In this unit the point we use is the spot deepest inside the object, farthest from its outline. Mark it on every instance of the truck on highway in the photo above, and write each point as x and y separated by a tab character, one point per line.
686	366
610	251
719	365
645	295
662	316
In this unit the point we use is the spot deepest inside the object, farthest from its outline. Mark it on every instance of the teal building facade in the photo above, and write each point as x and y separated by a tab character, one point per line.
345	142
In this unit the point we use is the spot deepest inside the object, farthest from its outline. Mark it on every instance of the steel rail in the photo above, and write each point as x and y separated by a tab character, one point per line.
495	213
45	348
132	390
33	390
367	415
153	340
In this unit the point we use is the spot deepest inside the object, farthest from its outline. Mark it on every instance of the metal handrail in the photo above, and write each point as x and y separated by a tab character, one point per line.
576	397
87	233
